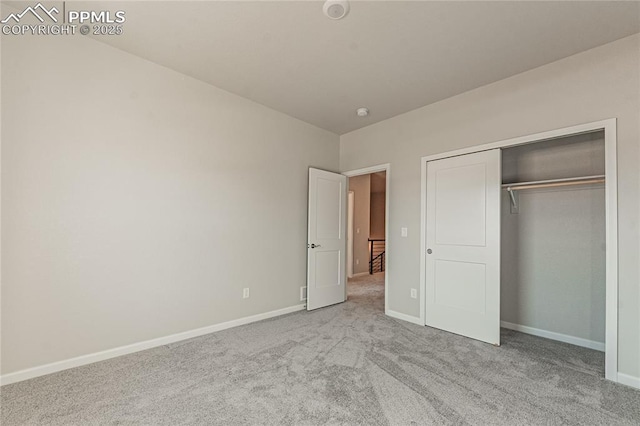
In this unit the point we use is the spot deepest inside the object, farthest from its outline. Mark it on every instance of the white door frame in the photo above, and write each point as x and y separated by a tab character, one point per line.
367	171
611	227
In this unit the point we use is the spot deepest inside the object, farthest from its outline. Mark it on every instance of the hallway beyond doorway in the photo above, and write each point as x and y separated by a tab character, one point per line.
367	291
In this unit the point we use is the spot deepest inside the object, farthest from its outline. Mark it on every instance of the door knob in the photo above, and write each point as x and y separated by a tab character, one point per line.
429	251
315	245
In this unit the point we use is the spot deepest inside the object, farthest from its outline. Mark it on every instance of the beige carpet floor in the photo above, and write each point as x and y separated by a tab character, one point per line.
346	364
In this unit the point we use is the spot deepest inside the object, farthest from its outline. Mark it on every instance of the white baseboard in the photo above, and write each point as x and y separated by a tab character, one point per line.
628	380
404	317
54	367
578	341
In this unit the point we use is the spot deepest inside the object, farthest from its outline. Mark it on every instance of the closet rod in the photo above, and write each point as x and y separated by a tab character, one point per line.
511	187
554	183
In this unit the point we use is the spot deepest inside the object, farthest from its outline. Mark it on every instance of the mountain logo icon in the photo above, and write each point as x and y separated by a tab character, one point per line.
38	11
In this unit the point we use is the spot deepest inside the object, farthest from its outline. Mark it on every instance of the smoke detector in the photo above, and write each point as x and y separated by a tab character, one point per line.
362	112
335	9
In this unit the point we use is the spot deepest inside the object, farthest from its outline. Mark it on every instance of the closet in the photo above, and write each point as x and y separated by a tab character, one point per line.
553	237
522	234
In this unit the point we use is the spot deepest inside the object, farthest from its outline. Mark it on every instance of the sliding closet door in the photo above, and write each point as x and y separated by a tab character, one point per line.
463	245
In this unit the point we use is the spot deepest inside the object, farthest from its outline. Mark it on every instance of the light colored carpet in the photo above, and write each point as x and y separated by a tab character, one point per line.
346	364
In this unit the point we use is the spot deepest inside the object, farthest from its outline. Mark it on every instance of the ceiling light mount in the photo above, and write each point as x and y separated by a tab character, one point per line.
362	112
335	9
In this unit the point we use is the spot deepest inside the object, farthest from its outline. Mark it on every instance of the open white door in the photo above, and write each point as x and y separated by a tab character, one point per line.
326	248
463	245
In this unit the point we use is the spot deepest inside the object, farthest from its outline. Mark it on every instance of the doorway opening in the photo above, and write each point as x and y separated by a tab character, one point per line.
367	230
553	251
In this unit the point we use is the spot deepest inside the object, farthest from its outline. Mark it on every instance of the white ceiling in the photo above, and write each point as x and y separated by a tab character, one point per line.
389	56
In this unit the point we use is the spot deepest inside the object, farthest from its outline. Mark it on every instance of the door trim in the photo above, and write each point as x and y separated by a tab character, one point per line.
366	171
611	214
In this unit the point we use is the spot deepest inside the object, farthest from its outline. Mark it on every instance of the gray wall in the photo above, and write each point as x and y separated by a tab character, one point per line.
597	84
553	249
134	201
361	187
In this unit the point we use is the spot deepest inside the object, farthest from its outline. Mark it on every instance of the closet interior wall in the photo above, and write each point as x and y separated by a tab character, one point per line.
553	248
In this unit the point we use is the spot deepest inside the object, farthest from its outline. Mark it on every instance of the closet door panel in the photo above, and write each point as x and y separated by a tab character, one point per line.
463	245
460	205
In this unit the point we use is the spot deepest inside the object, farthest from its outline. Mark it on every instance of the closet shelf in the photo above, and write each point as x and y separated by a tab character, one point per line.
551	183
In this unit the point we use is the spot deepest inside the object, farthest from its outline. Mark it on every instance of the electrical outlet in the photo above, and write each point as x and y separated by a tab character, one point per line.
414	293
245	293
303	293
357	261
403	232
